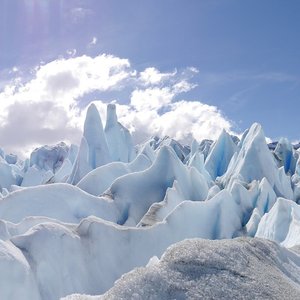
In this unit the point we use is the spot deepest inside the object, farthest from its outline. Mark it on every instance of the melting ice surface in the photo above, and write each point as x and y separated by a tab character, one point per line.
211	220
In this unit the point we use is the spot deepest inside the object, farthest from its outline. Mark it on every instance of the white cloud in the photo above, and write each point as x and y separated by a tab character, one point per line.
47	108
152	76
188	119
52	97
93	41
156	97
193	70
183	121
183	87
72	52
151	98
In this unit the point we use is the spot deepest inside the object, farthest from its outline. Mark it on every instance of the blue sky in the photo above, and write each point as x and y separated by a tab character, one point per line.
247	54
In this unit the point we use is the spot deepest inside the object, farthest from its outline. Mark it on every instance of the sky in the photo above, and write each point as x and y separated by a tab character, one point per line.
181	68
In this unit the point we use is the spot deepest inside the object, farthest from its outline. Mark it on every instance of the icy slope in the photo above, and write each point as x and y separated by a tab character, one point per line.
282	223
94	252
59	201
220	155
100	179
134	193
286	155
47	164
118	138
49	158
16	279
203	269
93	150
98	146
254	161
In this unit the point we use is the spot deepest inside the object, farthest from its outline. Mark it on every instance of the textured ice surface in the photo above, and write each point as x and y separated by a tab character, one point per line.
49	157
202	269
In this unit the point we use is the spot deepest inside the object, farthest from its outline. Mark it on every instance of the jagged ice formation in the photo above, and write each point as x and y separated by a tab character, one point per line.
212	219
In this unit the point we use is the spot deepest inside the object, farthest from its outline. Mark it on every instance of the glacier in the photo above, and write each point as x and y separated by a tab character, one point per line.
160	220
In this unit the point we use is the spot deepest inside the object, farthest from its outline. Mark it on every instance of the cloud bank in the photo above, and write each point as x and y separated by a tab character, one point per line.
50	106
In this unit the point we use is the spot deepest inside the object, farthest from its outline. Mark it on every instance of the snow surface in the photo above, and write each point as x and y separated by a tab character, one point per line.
75	219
